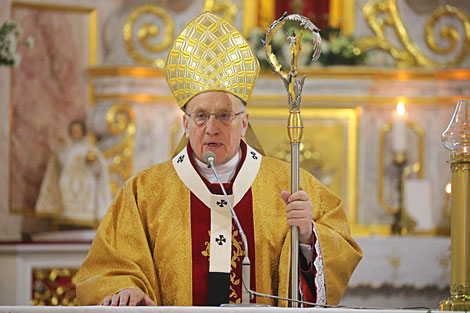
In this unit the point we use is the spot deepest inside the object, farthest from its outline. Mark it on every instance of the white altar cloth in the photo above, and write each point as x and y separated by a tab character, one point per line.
173	309
403	261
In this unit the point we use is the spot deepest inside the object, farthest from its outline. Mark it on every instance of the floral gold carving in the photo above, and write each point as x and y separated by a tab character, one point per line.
410	54
54	286
226	8
146	32
459	290
121	123
237	254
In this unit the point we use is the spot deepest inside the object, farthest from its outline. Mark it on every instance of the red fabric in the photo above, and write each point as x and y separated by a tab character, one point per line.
200	226
316	10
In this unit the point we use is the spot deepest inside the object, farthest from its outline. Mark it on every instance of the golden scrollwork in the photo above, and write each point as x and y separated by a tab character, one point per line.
146	32
460	162
411	54
121	122
54	286
237	254
226	8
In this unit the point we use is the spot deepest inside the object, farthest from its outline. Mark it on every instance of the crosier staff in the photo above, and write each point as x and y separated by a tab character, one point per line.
294	125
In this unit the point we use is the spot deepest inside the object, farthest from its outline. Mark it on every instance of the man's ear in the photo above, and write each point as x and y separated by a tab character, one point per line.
245	123
186	125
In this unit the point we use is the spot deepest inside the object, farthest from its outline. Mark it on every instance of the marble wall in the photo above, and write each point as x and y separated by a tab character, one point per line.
51	87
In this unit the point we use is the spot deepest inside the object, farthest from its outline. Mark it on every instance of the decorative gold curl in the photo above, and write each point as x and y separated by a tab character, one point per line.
120	119
227	8
146	32
449	33
411	55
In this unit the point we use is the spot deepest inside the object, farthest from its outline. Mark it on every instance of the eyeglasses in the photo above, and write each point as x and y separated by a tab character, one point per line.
201	117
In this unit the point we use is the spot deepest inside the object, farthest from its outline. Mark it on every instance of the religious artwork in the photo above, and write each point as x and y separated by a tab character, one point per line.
328	149
57	91
76	184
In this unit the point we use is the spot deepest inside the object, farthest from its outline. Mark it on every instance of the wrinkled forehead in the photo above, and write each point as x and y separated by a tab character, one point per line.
215	100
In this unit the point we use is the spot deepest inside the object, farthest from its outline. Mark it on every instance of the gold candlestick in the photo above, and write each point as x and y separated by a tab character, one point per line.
457	139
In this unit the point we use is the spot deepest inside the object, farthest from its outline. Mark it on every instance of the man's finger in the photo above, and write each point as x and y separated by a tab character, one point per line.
285	196
124	299
135	299
298	196
106	300
148	301
115	300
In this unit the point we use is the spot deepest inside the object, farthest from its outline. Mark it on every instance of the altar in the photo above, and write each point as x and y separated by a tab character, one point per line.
390	267
99	309
114	80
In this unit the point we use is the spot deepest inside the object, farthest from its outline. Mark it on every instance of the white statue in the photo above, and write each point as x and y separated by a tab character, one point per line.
76	184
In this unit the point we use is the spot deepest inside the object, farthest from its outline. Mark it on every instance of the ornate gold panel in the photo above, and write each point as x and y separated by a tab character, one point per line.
410	54
121	122
146	32
53	286
226	8
332	159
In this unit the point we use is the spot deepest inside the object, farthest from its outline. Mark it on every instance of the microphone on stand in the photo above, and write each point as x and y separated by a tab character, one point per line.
209	158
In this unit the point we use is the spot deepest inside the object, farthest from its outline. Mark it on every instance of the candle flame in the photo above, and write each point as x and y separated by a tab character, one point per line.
448	188
400	108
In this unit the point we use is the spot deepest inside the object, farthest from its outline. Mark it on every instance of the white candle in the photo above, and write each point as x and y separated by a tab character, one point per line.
399	140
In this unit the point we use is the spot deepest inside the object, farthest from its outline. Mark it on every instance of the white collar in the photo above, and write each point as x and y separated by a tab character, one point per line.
225	171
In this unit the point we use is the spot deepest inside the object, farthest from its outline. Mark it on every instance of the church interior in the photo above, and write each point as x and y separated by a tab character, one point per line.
385	108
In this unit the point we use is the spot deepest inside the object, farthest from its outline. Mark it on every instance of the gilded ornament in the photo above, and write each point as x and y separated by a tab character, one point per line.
121	122
54	286
146	32
237	253
227	8
411	54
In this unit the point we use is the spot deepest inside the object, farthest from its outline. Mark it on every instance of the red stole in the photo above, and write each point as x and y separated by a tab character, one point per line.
200	226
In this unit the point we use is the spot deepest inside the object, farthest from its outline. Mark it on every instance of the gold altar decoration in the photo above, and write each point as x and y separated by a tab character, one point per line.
146	32
456	138
210	54
121	122
411	55
54	286
226	8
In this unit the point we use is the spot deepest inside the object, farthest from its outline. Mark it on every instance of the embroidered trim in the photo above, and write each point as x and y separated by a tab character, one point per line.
319	274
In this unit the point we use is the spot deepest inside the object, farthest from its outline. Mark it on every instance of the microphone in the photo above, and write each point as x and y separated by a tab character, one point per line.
209	158
247	294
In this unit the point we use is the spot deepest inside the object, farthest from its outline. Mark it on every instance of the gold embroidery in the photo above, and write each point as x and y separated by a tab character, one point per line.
237	254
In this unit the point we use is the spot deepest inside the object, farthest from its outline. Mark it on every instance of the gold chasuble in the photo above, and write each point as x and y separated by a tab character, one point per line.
156	235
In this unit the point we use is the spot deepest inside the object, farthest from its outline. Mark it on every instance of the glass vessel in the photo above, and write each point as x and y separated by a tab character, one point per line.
456	137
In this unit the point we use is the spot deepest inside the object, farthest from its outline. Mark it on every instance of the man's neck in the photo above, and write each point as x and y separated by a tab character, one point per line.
225	171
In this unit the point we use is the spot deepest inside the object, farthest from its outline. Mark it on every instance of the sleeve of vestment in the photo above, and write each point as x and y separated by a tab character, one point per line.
339	251
120	256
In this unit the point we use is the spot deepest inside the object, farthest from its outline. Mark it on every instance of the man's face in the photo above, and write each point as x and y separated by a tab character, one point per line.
215	136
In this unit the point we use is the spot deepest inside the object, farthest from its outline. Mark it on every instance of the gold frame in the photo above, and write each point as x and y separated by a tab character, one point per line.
341	11
92	13
351	116
416	167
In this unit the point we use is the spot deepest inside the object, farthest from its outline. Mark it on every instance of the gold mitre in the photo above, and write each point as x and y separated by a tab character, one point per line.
210	54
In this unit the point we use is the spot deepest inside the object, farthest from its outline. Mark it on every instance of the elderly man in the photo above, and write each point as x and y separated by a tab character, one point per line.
166	240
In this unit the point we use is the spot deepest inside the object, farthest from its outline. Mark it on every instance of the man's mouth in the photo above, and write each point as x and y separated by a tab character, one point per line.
213	144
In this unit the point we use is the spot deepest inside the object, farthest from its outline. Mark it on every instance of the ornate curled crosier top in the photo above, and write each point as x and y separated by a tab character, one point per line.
293	86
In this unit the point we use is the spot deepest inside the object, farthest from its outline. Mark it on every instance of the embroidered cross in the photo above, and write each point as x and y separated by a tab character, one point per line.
253	155
222	203
180	159
221	240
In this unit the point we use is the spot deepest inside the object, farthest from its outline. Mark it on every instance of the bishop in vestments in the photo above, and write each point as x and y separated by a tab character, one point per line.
169	237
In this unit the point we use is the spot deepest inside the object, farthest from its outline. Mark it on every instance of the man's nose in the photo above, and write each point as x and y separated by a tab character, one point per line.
212	126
